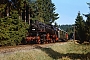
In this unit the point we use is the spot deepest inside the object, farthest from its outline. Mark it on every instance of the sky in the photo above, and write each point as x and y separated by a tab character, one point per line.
68	10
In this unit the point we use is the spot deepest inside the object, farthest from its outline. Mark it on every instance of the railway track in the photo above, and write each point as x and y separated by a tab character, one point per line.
11	49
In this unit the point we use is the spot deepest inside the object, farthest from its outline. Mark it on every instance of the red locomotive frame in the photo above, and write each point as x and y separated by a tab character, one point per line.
43	33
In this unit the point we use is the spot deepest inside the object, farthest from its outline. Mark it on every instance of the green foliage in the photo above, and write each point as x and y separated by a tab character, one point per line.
43	10
68	28
12	30
87	26
83	27
80	28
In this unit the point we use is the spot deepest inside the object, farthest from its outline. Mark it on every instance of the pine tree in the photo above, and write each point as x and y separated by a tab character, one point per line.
56	25
80	28
43	10
12	30
87	27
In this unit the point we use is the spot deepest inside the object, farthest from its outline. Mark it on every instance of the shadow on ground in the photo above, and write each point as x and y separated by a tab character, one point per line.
56	55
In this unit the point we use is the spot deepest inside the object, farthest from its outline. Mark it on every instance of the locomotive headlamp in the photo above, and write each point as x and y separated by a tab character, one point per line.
33	29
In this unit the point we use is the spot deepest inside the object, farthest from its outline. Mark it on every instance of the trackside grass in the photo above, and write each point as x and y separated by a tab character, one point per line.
57	51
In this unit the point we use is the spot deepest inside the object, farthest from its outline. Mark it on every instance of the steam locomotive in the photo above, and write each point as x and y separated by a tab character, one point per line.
39	32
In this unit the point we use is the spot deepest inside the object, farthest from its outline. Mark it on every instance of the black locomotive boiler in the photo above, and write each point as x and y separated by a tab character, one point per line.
42	33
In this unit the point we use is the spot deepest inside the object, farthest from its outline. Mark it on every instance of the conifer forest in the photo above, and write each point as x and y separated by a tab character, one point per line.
15	16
